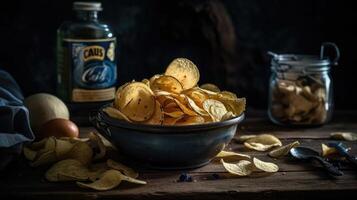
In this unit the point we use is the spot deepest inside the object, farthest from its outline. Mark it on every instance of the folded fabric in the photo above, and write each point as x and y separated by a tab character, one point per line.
14	116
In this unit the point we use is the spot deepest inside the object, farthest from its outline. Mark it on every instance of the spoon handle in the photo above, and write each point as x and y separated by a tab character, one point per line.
328	166
352	159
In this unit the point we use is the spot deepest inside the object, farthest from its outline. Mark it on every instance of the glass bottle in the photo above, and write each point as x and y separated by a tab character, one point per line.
86	63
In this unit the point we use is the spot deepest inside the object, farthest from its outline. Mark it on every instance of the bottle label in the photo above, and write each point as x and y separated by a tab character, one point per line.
93	69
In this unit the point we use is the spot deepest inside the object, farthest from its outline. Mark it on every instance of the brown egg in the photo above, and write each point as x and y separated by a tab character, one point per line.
58	128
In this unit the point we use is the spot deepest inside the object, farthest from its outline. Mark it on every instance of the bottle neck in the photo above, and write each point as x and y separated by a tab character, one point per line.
87	15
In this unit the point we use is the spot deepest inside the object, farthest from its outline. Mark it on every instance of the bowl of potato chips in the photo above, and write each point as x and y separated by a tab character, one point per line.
168	121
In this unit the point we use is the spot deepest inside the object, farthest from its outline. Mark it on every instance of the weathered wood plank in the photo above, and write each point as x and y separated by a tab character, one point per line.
165	187
295	180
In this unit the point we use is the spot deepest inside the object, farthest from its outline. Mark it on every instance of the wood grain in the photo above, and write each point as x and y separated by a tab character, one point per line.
295	180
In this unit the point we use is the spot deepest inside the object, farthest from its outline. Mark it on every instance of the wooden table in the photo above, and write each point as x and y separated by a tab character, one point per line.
295	180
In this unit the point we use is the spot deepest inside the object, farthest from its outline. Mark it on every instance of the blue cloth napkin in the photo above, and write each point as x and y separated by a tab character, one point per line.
14	117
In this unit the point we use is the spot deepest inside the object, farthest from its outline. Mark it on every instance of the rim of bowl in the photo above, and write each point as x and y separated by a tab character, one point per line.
110	121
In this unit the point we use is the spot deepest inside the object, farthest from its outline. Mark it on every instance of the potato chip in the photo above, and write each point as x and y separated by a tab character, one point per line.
115	113
242	168
96	170
265	166
207	92
215	108
348	136
70	169
283	150
185	109
48	146
167	83
174	97
236	106
197	96
227	94
146	82
153	78
98	146
82	152
195	107
158	117
29	153
44	158
232	155
210	87
262	142
136	101
122	168
185	71
227	116
169	121
109	180
170	105
175	114
326	150
244	138
190	120
62	147
38	145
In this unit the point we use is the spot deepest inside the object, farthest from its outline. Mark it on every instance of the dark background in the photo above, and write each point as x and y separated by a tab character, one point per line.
228	40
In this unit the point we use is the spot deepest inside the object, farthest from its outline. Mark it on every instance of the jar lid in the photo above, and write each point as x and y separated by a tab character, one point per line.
87	6
300	60
305	62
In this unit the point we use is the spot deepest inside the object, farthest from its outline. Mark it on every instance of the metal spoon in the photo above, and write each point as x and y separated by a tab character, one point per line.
305	153
343	151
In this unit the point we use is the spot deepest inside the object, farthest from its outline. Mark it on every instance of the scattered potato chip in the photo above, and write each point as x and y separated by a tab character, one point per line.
262	142
348	136
109	180
242	168
210	87
326	150
82	152
29	153
72	158
283	150
122	168
244	138
62	148
185	71
98	145
232	155
70	169
44	158
265	166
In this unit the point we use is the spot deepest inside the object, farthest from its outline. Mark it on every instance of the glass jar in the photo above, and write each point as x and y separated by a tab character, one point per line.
300	90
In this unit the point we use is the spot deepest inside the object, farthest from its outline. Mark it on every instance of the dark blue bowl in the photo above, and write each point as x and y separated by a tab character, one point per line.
166	147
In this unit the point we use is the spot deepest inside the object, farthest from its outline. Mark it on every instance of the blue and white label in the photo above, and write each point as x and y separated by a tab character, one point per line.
93	63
